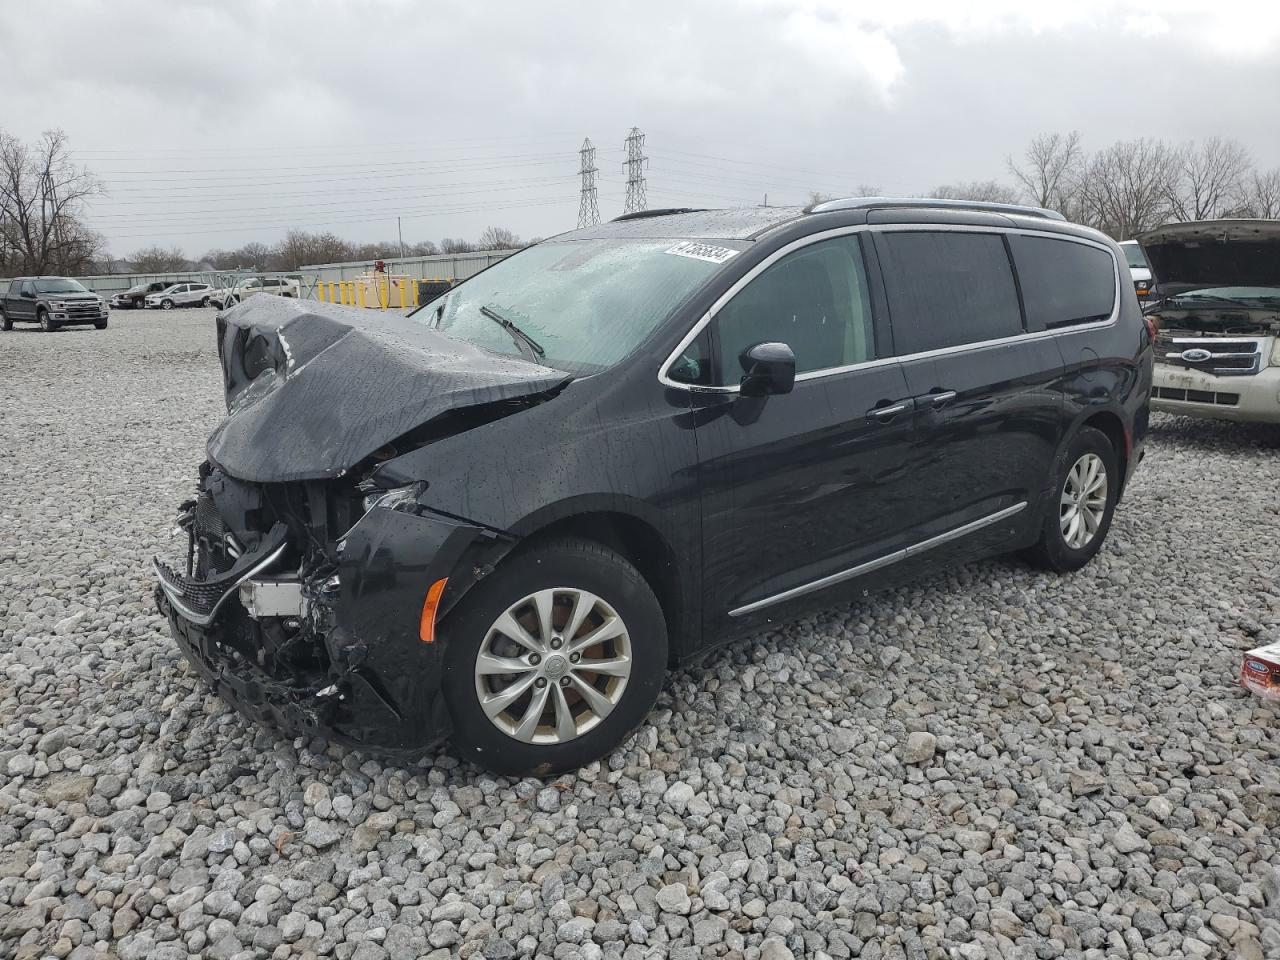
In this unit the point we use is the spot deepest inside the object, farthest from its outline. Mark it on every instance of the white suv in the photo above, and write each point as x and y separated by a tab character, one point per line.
180	295
1139	269
248	287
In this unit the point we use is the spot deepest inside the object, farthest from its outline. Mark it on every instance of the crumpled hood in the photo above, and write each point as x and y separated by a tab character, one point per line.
314	388
1214	253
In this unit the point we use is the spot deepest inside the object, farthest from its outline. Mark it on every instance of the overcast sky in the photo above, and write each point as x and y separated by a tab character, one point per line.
216	123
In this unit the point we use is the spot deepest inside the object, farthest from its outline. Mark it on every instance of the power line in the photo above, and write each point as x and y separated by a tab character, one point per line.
635	164
588	207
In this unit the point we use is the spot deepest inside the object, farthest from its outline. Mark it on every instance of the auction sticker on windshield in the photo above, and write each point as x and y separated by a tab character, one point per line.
702	251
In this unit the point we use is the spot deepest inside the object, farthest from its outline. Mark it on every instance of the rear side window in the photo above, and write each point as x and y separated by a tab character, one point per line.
1063	282
814	300
948	289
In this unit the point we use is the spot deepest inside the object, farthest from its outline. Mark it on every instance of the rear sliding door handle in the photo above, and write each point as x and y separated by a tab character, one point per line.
885	414
937	400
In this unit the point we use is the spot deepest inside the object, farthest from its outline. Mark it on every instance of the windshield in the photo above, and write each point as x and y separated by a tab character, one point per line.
585	304
59	285
1260	295
1133	253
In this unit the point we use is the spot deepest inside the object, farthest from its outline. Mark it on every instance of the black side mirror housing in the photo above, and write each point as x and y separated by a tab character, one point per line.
768	368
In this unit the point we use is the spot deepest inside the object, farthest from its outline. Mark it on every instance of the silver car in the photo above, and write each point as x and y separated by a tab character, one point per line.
181	295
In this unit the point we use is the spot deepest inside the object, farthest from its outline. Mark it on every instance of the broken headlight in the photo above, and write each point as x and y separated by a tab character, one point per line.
397	498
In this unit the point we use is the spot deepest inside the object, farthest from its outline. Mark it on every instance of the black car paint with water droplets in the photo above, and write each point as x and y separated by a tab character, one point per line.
737	510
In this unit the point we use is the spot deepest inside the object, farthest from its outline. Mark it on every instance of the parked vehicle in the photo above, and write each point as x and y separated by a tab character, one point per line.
251	286
181	295
52	302
135	298
505	515
1139	269
1218	313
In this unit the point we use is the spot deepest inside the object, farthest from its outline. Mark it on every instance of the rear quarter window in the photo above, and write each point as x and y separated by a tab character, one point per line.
1063	282
948	289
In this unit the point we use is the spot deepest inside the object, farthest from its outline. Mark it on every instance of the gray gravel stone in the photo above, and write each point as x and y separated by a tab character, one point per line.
1090	784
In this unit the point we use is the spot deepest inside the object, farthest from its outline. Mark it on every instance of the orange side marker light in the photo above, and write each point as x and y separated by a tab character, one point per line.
427	627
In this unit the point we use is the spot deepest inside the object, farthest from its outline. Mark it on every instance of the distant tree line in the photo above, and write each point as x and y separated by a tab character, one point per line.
300	248
1132	185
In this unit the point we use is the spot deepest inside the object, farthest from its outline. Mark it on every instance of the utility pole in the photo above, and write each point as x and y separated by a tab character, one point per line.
588	209
400	233
635	164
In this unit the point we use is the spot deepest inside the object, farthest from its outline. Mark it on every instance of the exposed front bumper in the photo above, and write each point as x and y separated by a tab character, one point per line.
1249	399
355	670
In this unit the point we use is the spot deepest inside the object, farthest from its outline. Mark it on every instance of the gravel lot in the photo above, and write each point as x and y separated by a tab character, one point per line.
993	763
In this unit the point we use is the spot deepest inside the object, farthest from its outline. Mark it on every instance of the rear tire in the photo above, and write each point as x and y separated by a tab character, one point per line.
46	322
5	322
565	576
1078	517
204	302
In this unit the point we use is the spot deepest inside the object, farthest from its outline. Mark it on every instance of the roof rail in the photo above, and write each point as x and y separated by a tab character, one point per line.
662	212
881	203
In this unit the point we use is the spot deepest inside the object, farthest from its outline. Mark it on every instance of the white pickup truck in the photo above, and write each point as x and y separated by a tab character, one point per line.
229	296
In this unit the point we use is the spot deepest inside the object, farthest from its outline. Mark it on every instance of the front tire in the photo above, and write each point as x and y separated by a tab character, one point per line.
100	325
520	648
1079	513
166	304
46	322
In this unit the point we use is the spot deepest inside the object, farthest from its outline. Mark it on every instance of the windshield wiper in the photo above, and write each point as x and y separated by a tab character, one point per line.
522	339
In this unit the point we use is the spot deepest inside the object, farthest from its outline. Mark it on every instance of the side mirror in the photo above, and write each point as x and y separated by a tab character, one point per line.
767	368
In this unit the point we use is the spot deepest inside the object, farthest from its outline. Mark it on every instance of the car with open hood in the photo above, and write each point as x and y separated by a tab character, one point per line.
1218	316
504	516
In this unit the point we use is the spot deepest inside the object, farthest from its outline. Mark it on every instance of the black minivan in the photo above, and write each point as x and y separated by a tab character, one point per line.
504	516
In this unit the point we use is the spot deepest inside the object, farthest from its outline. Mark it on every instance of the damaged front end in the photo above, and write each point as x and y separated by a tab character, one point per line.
304	590
315	626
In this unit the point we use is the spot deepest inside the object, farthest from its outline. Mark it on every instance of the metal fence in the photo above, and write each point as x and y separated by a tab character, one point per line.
446	266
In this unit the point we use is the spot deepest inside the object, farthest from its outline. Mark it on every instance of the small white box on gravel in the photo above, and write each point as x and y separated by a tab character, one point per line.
1260	671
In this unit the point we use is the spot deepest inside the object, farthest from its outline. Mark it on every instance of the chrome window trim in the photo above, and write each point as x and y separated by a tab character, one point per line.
889	558
709	315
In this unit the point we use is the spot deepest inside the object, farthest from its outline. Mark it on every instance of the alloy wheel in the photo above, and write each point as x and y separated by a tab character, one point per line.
1084	501
553	666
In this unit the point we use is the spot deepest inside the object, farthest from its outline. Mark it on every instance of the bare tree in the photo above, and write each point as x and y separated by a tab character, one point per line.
299	248
1049	171
159	260
498	238
42	201
1208	178
450	245
987	191
1259	195
1125	189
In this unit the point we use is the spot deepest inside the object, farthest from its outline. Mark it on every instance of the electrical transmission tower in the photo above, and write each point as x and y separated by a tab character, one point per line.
588	209
635	164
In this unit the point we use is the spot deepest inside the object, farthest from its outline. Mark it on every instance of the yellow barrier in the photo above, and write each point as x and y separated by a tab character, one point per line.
374	293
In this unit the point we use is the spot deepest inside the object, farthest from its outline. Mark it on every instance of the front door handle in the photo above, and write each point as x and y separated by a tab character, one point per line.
885	414
937	400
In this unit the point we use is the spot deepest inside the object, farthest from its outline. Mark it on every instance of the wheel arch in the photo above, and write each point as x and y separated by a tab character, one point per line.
1110	425
623	528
